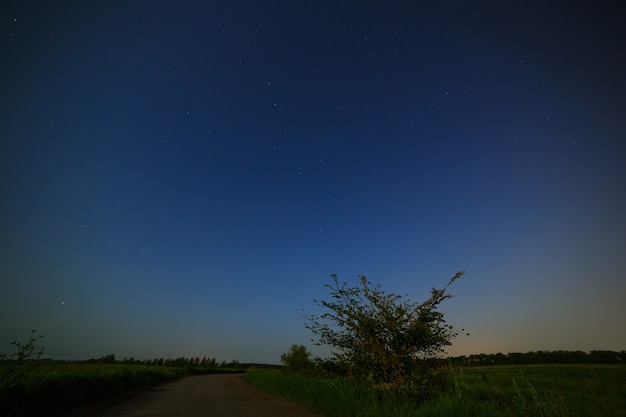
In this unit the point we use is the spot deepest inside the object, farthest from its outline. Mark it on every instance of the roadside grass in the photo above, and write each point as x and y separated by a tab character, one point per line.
332	397
55	386
493	391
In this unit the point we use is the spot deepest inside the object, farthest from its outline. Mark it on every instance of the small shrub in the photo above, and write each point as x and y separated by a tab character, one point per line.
297	359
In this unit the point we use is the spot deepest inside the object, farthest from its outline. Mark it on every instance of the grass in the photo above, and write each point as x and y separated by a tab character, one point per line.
335	397
567	390
522	390
498	391
54	386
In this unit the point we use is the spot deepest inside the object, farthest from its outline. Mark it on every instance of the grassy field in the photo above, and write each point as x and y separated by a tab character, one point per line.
54	386
523	390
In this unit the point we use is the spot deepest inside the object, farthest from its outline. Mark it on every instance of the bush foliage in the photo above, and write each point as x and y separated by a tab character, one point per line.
297	359
384	337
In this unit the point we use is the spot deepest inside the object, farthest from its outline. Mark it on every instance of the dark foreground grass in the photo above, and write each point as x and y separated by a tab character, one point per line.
530	390
337	397
549	390
50	387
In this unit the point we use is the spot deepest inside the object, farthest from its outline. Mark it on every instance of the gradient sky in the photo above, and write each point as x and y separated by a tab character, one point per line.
181	178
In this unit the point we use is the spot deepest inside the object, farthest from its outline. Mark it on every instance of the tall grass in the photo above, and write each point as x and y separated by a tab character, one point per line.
559	390
495	391
55	386
334	397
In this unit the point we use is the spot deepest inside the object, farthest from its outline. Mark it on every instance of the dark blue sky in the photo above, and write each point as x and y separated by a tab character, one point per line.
181	178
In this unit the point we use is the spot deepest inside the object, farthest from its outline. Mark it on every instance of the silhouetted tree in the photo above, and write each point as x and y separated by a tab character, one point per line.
384	337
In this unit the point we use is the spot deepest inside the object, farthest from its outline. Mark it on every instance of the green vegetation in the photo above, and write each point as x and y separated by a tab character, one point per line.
498	391
29	384
62	385
387	362
297	359
383	338
58	385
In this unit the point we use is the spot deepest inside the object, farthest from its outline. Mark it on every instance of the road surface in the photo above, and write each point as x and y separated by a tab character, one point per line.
219	395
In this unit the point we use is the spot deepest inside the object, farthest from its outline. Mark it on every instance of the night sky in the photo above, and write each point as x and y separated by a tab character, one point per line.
182	178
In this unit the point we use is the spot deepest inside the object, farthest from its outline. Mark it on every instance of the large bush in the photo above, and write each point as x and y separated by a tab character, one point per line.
383	337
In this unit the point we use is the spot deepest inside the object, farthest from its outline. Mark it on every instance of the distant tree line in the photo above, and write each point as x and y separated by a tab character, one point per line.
542	357
180	362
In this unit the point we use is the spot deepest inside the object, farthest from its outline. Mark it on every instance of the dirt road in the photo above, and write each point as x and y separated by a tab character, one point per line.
202	395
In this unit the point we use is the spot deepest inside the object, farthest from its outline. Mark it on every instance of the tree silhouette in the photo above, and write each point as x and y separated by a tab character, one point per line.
383	337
